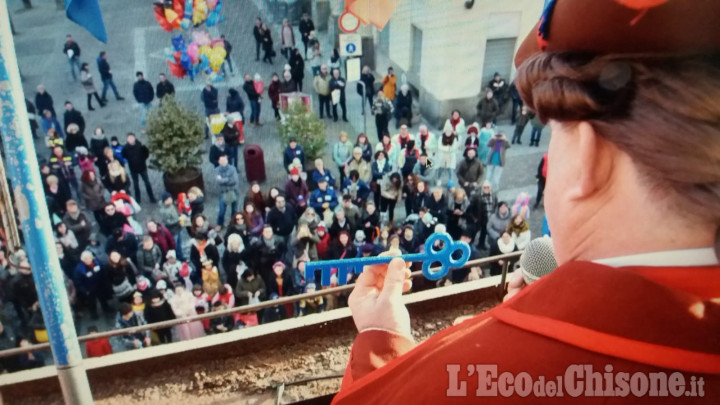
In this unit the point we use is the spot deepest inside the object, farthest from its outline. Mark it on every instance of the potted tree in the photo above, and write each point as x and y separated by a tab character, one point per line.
175	137
308	129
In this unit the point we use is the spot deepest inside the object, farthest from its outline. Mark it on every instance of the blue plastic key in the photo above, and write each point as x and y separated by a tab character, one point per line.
444	256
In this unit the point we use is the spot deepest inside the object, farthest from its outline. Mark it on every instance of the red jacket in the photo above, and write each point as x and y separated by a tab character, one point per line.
98	347
163	238
635	318
323	245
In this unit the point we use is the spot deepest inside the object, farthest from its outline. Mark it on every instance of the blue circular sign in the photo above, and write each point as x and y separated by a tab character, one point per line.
350	48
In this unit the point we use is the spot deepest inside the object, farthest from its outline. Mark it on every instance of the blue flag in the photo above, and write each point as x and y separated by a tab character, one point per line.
86	13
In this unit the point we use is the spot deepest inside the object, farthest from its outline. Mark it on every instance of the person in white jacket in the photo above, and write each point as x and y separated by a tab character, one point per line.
426	141
447	154
520	231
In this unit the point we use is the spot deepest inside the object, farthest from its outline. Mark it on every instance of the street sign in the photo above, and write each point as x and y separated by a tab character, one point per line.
352	67
350	45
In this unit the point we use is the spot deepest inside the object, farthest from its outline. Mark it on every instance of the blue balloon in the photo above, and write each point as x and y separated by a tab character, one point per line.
186	63
178	42
204	63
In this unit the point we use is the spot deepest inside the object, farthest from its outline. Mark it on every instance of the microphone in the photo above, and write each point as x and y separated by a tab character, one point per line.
538	259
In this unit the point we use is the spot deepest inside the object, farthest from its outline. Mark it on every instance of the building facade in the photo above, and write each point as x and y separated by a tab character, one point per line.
449	52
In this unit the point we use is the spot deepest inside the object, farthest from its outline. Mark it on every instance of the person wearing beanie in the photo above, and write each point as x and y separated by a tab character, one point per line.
359	240
144	287
296	191
162	286
324	236
280	283
311	305
472	141
293	151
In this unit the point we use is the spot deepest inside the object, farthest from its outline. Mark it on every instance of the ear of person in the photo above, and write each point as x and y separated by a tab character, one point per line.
596	158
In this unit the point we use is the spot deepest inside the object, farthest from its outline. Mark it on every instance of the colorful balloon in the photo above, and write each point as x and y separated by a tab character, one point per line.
192	50
159	13
178	42
204	50
176	70
202	38
217	58
215	18
168	52
187	15
200	12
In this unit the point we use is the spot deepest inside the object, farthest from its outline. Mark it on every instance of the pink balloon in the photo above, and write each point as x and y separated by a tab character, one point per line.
211	4
201	37
192	51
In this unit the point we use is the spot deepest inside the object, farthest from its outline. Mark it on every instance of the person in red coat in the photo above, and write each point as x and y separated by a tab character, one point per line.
97	347
324	244
161	236
632	314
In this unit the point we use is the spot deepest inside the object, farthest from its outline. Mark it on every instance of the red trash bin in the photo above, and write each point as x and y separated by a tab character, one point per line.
254	163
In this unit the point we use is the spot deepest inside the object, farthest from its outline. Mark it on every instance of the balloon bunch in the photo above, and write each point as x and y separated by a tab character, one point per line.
184	14
202	55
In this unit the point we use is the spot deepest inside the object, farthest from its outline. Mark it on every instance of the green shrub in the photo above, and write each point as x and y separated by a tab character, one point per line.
307	128
175	137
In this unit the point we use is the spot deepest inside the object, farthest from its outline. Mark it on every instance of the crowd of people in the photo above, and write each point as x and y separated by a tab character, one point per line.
180	263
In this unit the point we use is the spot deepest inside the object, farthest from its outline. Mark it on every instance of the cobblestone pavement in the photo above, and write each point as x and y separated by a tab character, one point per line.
136	43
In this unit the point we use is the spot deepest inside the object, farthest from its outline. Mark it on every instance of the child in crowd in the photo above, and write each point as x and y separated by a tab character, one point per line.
311	305
117	149
222	323
97	347
85	161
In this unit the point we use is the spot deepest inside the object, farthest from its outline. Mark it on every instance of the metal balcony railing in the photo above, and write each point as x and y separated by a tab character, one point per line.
255	307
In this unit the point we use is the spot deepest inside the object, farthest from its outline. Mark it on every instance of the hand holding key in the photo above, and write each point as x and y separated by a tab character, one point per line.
376	301
439	249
